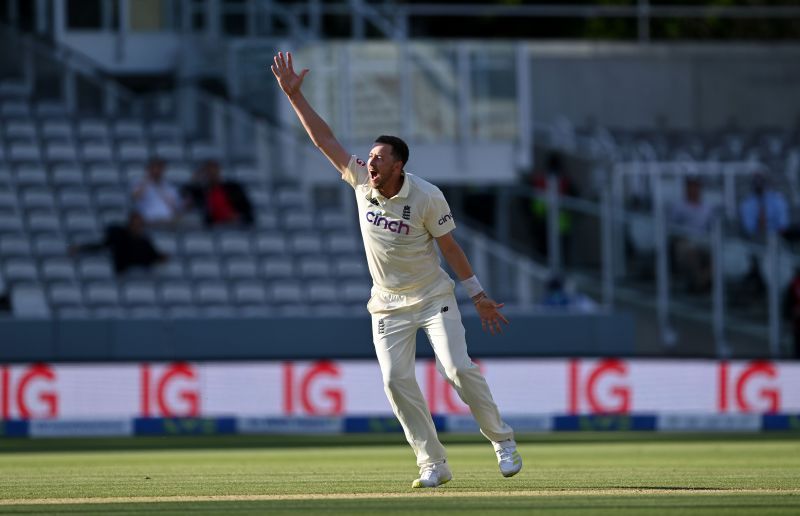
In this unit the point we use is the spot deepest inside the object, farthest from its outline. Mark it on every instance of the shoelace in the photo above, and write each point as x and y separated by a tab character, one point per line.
426	473
506	454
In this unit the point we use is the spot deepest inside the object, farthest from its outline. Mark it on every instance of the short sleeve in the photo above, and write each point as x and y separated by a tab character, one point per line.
438	217
356	172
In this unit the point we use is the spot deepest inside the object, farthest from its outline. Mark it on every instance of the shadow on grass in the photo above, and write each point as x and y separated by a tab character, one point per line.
12	445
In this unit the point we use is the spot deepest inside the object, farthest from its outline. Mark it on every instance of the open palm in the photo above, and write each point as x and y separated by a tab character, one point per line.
283	69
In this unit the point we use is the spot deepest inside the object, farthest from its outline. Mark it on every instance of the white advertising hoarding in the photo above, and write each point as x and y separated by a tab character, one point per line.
348	387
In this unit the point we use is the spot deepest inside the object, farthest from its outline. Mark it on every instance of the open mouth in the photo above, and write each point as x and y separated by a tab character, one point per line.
373	174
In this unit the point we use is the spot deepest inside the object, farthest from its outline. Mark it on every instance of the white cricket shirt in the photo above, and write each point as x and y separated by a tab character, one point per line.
398	238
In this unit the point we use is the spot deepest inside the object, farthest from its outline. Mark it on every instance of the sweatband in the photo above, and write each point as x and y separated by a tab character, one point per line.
472	286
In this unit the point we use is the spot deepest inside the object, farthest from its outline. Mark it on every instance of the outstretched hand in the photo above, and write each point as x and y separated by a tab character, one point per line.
283	69
490	315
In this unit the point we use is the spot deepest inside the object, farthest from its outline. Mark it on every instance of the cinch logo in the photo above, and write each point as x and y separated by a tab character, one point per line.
445	218
395	226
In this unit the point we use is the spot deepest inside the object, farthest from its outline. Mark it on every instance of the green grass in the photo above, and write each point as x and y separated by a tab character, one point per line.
564	474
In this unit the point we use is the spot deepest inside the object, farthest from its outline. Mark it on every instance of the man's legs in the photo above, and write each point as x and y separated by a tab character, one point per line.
442	325
394	336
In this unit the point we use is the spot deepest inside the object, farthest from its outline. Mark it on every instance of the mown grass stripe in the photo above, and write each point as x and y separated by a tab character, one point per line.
440	492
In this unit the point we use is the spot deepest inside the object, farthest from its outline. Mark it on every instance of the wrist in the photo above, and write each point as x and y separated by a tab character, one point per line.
472	286
479	297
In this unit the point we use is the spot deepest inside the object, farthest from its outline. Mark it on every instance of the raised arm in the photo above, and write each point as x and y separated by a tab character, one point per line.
488	309
317	129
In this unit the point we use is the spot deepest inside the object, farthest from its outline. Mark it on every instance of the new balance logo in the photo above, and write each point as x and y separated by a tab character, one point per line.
381	327
407	212
445	308
395	226
374	201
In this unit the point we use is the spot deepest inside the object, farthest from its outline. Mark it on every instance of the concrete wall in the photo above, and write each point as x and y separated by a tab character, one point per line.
699	87
295	338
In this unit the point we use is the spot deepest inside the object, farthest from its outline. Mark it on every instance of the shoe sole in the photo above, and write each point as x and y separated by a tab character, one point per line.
418	485
512	473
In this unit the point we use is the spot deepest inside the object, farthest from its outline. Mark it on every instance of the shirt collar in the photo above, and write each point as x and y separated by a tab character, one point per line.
372	193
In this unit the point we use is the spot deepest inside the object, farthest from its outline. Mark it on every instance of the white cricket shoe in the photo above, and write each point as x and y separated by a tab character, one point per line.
508	458
433	475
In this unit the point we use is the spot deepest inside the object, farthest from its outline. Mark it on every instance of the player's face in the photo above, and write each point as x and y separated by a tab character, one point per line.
382	166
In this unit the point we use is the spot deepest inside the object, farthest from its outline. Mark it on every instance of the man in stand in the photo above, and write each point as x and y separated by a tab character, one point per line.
401	215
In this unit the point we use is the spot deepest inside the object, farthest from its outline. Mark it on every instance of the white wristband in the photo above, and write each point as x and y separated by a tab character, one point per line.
472	286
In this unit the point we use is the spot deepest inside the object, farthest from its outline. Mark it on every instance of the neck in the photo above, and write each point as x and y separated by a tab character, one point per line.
391	190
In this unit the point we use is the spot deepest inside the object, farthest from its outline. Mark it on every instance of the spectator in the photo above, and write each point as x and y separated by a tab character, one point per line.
791	309
129	245
692	218
538	206
222	202
562	295
155	199
763	210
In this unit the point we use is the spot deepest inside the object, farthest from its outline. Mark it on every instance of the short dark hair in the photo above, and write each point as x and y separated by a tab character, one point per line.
399	147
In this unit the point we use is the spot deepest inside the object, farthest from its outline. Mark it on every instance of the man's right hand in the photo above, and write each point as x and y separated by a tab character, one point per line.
283	69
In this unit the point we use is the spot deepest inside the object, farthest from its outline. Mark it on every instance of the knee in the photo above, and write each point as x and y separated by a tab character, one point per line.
394	382
456	373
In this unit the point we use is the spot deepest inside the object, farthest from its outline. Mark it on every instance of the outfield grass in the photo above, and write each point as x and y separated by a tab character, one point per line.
564	474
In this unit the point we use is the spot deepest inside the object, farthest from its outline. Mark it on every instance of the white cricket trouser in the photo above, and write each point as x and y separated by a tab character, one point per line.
394	335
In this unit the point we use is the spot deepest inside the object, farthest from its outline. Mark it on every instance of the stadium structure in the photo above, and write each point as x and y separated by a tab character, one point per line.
92	90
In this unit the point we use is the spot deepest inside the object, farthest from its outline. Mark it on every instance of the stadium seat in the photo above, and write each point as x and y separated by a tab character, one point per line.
249	293
266	220
74	198
239	268
14	245
109	312
165	242
64	174
30	175
297	220
133	152
172	269
339	244
204	268
49	244
211	293
73	312
93	130
64	152
20	129
314	267
139	293
58	269
96	151
80	221
8	201
201	151
43	222
128	129
320	292
106	197
65	294
10	223
103	174
17	270
270	244
144	312
95	268
283	292
198	244
60	130
306	243
277	267
291	198
176	293
101	294
29	301
170	151
38	198
355	292
260	198
21	152
351	266
233	244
